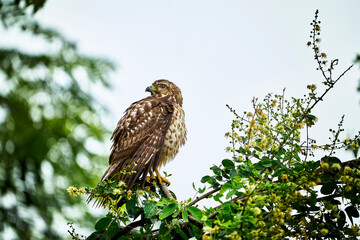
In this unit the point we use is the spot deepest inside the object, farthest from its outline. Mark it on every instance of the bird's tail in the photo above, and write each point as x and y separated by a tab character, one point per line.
108	174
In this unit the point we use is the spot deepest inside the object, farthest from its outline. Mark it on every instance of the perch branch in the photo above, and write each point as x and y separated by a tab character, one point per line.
166	191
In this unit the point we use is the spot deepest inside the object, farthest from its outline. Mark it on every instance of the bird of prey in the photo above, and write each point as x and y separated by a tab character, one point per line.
148	136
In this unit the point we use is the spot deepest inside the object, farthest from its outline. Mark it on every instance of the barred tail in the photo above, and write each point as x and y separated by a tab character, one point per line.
108	174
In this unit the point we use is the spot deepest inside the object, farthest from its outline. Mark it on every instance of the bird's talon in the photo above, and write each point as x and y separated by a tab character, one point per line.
162	179
151	178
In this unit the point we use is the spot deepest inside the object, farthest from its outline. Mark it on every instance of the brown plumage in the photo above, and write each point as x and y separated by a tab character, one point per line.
148	135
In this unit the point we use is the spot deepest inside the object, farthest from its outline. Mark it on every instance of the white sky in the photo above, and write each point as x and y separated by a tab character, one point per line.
217	52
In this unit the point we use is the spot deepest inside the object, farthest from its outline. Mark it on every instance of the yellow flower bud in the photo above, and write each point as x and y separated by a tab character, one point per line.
324	231
318	180
347	170
336	166
129	193
275	147
116	191
256	211
73	191
285	177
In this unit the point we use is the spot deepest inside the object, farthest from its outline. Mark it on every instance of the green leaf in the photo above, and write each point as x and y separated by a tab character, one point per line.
227	207
311	119
219	178
231	193
94	236
102	224
296	156
218	196
233	173
193	185
184	215
279	153
163	201
258	149
342	220
313	199
216	170
244	174
150	209
266	163
164	232
113	229
228	164
131	207
168	210
352	211
331	159
195	231
181	233
202	190
176	213
225	187
352	195
241	150
195	212
328	188
239	194
205	179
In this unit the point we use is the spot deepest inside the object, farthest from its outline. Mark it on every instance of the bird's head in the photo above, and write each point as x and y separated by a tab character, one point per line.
164	88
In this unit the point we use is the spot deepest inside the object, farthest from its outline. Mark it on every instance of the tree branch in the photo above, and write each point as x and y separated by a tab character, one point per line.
166	191
194	221
197	199
128	228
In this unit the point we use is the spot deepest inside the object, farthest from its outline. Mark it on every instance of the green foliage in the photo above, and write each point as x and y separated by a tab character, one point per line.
273	187
12	11
47	117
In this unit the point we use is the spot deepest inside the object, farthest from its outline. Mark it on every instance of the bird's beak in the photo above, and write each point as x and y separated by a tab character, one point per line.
150	89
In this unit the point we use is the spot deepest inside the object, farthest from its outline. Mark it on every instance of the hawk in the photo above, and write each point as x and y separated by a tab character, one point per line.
148	136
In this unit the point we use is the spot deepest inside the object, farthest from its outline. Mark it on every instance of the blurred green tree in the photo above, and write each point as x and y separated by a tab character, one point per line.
47	118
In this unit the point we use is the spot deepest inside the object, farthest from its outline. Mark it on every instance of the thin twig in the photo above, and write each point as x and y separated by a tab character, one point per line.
72	235
326	91
307	142
315	32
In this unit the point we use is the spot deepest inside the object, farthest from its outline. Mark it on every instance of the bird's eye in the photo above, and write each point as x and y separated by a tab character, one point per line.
162	86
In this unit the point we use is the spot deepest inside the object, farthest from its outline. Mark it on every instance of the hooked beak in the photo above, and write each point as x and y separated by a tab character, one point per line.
150	89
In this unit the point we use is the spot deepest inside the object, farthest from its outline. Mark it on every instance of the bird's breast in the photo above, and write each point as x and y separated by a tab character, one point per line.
175	136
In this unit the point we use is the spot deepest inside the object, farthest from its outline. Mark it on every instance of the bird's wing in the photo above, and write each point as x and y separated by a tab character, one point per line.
139	138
